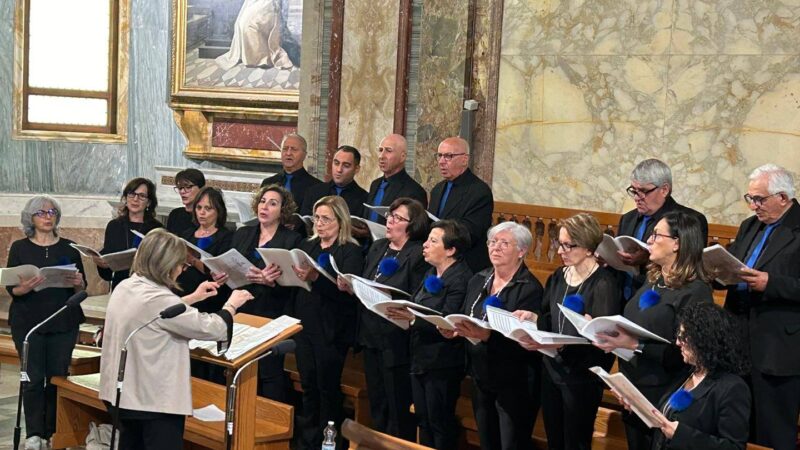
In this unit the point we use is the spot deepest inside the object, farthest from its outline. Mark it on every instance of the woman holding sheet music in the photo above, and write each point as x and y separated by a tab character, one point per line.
50	349
136	213
395	261
273	206
328	316
675	279
502	397
571	393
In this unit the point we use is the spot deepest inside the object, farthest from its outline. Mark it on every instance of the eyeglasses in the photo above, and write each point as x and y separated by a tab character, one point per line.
139	195
566	247
52	212
395	217
639	193
502	245
757	199
655	236
448	156
322	220
183	188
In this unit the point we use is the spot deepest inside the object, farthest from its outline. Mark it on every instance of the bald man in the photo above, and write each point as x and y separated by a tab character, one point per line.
395	182
464	197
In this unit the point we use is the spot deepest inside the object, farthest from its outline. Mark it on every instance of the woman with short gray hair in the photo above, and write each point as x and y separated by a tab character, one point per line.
50	349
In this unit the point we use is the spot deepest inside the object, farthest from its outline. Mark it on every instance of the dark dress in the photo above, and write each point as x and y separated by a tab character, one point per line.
437	363
50	348
571	393
119	237
659	365
180	220
386	346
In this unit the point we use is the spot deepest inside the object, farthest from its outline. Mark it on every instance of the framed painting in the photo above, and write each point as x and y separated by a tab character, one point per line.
237	55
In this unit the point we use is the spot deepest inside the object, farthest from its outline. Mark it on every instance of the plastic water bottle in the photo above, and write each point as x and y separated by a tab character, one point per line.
329	443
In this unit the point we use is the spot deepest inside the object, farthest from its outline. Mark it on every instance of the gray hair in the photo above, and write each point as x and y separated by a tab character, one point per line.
296	136
652	171
522	235
778	179
35	204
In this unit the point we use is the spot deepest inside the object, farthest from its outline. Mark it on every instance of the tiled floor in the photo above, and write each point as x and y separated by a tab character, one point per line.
207	73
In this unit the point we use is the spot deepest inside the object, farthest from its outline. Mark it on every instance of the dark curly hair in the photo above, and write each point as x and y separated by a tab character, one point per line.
715	337
288	206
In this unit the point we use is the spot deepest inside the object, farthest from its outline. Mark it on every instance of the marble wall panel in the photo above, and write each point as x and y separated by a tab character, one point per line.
369	65
308	121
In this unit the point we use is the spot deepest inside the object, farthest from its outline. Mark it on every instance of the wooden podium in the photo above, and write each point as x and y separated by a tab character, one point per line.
78	404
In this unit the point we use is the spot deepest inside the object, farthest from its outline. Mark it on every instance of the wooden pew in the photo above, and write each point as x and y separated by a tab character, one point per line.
85	359
78	404
365	438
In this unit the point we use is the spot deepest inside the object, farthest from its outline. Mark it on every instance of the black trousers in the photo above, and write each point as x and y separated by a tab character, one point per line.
777	404
273	382
151	431
389	391
49	355
435	394
320	364
503	416
569	413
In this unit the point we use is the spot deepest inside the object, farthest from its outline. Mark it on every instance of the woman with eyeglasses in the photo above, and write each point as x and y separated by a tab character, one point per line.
50	348
675	279
273	206
188	183
136	213
395	261
502	402
571	393
328	316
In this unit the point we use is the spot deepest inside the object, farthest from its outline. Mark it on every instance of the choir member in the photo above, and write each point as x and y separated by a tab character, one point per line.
395	182
293	176
346	164
188	183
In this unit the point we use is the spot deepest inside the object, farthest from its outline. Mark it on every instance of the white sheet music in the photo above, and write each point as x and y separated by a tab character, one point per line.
246	338
625	389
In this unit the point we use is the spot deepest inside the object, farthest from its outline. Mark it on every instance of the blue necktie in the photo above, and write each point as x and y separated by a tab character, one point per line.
751	261
443	201
627	288
287	182
338	190
373	216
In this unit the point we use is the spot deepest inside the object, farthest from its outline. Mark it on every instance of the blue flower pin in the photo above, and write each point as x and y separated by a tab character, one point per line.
205	242
492	300
136	241
680	400
433	284
324	260
388	266
574	302
648	299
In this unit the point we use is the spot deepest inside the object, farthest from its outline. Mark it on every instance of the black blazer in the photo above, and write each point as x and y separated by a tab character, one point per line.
429	349
326	312
353	195
267	301
191	278
717	419
400	185
119	237
375	331
773	315
501	363
301	182
470	202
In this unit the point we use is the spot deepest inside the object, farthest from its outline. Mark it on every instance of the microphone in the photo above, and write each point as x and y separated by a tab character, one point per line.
172	311
280	349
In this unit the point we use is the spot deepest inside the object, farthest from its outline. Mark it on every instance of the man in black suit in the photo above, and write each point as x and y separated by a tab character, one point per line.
651	190
464	197
346	164
395	182
769	302
294	176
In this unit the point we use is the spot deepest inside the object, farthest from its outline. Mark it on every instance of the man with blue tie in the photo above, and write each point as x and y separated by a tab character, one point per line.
395	181
346	164
651	190
768	302
294	177
464	197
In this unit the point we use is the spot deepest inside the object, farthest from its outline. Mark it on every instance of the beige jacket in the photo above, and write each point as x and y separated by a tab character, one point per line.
157	376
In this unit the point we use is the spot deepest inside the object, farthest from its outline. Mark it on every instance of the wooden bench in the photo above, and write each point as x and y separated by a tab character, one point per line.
85	359
365	438
78	404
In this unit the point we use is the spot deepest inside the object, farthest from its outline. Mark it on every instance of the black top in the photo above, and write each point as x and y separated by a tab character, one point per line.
773	316
429	349
119	237
301	182
470	202
400	185
374	331
267	301
602	296
216	244
501	362
327	312
661	364
352	194
717	419
28	310
180	220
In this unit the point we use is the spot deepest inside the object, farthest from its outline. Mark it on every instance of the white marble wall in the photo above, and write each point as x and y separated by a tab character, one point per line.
590	88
